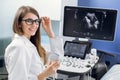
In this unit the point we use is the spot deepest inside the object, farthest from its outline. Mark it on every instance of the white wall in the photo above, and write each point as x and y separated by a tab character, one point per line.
8	9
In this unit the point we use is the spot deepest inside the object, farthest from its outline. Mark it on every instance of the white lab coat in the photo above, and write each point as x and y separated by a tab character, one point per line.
22	59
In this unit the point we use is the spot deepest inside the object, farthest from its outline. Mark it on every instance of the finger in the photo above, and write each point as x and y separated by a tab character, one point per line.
56	64
51	62
46	18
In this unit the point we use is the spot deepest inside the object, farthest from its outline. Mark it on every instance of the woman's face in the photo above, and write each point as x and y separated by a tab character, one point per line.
30	24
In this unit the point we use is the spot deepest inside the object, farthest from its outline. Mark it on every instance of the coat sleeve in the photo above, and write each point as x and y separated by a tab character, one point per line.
56	45
17	63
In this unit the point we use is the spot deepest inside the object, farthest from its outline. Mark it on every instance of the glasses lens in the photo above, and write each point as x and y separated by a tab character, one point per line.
37	21
29	21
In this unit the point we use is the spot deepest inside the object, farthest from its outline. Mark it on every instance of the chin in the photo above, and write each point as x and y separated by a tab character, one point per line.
32	34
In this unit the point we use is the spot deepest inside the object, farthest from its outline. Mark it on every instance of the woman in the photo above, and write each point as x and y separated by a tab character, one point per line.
25	57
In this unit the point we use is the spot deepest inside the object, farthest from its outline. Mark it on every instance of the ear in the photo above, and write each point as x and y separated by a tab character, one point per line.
20	25
20	28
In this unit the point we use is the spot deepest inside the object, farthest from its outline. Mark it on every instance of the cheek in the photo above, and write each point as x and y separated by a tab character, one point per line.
37	28
24	28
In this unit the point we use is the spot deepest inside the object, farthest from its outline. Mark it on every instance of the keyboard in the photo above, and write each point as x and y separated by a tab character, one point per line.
76	65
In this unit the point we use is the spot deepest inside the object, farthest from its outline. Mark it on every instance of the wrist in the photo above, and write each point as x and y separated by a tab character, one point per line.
51	35
41	76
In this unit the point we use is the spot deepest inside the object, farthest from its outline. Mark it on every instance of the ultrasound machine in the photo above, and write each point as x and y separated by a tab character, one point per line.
86	23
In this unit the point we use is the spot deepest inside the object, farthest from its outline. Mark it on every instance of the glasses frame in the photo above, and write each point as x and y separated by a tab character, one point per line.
30	21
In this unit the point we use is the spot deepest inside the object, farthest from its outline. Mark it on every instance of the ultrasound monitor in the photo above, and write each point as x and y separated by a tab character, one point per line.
90	23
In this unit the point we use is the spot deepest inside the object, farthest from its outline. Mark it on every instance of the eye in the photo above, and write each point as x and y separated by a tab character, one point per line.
29	20
37	20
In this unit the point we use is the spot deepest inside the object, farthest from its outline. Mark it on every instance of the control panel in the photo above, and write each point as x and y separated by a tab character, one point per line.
78	65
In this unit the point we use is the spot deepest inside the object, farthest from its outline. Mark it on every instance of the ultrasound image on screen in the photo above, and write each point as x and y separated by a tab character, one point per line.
90	23
75	49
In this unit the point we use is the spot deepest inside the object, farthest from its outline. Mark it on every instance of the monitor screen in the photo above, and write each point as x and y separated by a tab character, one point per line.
76	49
90	23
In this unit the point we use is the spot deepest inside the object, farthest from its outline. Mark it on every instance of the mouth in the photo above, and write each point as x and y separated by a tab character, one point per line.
32	31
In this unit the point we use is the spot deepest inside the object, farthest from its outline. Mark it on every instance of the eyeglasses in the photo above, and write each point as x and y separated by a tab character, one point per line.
30	21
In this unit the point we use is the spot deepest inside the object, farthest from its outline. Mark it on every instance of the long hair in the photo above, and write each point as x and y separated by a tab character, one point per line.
22	11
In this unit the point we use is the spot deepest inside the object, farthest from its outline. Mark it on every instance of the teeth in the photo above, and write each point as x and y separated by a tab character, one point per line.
32	29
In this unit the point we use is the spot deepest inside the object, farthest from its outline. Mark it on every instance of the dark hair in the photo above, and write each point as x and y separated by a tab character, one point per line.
22	11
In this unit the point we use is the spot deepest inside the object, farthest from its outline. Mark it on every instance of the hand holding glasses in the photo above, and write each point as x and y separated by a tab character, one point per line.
30	21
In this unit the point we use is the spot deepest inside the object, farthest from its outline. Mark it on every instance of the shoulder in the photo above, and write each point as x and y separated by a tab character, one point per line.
15	44
16	49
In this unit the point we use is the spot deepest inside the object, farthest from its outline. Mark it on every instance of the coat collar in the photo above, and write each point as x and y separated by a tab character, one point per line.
24	39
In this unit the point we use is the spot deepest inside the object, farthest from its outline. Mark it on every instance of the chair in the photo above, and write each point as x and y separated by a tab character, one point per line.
3	71
102	66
